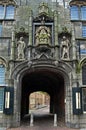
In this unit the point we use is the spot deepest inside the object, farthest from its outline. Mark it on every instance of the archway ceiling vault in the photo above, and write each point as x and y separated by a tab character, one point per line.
47	81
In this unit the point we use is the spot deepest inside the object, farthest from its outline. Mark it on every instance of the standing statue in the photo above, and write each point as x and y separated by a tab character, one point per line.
65	48
43	35
21	47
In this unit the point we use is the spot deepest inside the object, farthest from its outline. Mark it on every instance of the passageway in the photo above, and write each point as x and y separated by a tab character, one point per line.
46	81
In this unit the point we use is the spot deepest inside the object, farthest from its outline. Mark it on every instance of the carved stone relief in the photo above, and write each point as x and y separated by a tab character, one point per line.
42	35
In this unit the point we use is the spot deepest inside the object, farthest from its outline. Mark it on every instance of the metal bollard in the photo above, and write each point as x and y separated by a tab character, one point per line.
31	119
55	119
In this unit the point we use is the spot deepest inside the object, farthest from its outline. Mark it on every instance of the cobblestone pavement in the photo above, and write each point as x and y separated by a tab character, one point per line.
42	121
41	128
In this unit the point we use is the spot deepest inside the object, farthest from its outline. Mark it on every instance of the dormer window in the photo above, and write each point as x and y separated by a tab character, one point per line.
7	12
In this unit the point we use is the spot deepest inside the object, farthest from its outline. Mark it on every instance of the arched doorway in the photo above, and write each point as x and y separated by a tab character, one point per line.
45	80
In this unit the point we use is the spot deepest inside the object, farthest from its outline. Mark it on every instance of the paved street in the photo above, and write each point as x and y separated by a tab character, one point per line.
42	121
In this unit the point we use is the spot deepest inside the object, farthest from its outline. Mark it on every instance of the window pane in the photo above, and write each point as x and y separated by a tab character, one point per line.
0	29
1	98
2	75
84	99
83	12
1	12
83	48
74	13
84	75
84	31
10	12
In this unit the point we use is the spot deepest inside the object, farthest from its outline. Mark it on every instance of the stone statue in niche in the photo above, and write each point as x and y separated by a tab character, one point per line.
43	35
65	48
21	47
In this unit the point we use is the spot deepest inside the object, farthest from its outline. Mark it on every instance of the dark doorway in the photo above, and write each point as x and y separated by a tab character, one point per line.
46	81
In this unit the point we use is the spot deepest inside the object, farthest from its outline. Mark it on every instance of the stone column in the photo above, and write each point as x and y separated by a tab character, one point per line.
30	28
56	34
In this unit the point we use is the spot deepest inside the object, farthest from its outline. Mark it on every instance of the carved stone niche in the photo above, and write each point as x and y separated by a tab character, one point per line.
21	43
65	43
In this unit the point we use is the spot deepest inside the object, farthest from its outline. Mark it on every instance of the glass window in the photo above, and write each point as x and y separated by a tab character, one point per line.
84	31
1	12
1	99
83	12
2	75
84	99
10	12
84	74
74	13
0	29
83	48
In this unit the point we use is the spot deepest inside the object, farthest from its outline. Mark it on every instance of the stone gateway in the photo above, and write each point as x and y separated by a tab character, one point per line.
43	48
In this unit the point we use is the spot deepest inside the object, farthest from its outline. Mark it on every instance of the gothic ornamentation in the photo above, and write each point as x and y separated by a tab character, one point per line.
7	2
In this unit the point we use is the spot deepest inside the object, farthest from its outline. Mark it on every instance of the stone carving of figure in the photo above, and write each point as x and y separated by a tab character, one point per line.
43	35
65	48
21	47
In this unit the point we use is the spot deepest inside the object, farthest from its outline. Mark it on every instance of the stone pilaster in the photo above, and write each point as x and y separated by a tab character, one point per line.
30	28
12	45
56	27
73	44
56	34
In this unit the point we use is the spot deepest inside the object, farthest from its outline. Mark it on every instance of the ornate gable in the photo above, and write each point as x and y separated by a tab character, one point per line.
8	2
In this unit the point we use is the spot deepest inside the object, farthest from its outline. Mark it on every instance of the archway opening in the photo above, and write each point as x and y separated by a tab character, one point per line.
45	81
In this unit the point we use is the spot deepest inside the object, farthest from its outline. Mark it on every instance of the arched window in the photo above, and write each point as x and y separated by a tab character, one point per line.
2	75
74	13
84	74
10	12
83	12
